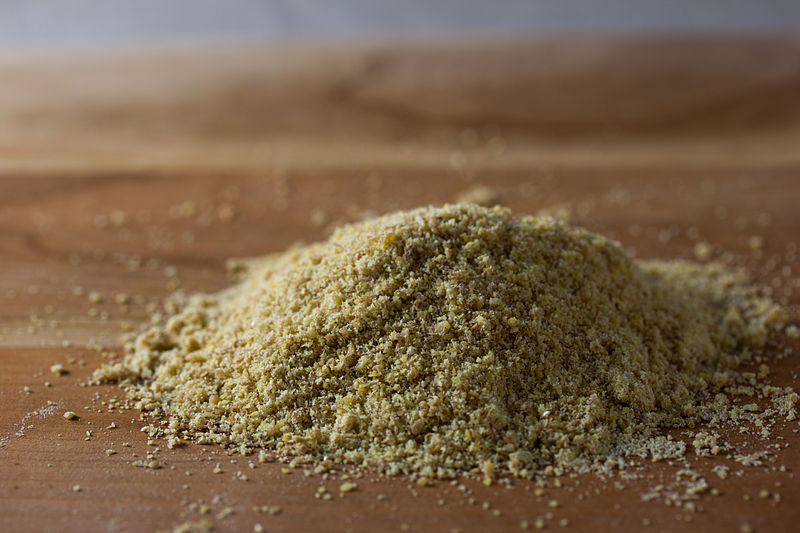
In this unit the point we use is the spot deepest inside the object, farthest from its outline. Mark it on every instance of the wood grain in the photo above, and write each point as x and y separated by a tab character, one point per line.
720	101
660	143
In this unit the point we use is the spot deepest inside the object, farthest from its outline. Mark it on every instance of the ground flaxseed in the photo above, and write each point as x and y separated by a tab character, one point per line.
454	339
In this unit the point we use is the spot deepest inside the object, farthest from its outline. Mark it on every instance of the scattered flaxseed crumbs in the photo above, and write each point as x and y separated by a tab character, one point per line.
755	242
203	526
110	452
226	213
564	522
186	209
480	195
58	369
347	487
226	512
258	528
76	488
70	415
217	469
752	459
96	297
318	217
524	524
721	471
746	528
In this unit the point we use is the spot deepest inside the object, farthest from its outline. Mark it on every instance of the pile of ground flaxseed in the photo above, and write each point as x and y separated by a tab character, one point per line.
456	339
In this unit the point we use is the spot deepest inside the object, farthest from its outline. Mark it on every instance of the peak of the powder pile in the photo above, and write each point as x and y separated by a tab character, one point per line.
437	213
456	222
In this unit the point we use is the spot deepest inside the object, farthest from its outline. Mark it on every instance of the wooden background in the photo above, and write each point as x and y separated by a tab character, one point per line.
132	174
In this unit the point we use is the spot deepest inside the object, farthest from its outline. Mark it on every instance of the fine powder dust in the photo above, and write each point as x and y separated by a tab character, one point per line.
452	339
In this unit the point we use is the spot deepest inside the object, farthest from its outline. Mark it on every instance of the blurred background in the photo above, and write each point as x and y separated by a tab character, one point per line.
86	23
469	85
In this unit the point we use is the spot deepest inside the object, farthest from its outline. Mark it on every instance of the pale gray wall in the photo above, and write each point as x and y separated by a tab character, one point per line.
70	23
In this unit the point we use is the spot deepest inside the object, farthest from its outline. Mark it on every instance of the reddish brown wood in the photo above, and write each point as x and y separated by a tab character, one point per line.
636	137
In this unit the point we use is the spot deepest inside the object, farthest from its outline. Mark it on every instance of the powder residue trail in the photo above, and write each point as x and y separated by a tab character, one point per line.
26	423
454	339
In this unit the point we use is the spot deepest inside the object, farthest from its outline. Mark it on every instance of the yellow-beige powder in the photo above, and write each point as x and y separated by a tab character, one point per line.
451	339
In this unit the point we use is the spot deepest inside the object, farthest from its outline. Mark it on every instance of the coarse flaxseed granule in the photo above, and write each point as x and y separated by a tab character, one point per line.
453	339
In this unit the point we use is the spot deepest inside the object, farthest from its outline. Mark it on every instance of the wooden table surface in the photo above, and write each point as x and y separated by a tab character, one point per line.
132	174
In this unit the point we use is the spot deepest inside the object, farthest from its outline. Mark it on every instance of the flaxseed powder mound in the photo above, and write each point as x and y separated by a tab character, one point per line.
451	339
